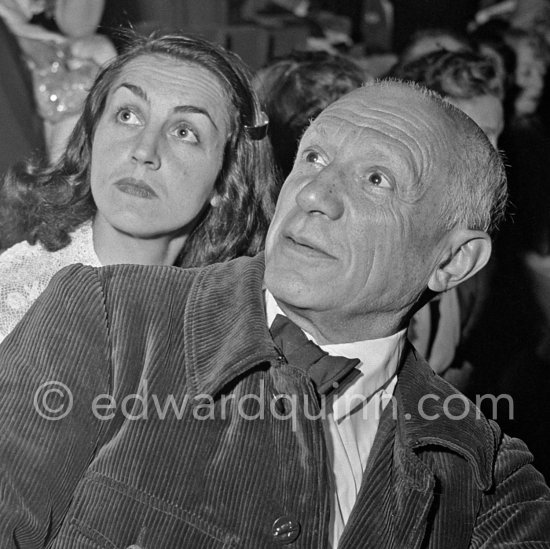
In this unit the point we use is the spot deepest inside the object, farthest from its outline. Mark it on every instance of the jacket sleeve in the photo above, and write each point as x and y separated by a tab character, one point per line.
52	366
516	511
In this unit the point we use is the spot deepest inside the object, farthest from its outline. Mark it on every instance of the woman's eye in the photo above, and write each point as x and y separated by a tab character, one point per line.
127	116
184	133
378	179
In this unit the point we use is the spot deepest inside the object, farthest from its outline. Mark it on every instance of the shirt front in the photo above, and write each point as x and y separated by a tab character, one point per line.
350	418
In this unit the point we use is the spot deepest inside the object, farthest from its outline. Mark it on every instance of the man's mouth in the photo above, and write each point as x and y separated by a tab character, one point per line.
307	245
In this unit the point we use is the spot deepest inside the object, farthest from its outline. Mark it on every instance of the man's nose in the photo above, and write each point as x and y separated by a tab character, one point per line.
146	149
322	195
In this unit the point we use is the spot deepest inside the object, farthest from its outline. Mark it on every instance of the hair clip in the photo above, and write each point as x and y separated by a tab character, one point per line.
259	131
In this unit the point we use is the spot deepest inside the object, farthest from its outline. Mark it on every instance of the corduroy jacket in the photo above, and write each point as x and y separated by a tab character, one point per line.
141	408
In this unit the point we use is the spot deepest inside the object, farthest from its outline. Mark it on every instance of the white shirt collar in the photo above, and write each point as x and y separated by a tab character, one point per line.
379	358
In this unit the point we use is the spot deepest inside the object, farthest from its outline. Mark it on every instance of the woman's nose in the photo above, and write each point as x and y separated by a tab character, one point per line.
146	149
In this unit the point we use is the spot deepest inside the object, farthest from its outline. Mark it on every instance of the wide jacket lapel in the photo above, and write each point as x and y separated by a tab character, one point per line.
225	329
395	497
422	459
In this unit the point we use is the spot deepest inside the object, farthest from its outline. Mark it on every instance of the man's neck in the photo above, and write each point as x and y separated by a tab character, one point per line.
327	329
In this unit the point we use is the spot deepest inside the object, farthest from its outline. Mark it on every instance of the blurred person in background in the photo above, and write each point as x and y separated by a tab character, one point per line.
524	252
19	118
295	89
441	330
464	78
63	58
530	70
165	166
489	42
525	244
516	338
429	40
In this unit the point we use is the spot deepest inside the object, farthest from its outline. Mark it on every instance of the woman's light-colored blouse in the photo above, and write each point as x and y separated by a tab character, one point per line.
26	270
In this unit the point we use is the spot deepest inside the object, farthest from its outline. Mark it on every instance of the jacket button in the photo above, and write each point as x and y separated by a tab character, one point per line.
279	404
285	530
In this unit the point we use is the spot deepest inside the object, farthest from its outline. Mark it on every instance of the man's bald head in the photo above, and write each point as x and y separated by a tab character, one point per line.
391	193
460	156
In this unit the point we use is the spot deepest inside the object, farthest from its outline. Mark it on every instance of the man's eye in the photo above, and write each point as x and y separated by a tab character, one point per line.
378	179
313	157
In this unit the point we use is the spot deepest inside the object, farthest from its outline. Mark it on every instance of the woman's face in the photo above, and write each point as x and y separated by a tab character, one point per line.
530	72
158	147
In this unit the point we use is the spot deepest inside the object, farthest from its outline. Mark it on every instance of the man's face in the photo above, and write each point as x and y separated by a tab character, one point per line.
356	231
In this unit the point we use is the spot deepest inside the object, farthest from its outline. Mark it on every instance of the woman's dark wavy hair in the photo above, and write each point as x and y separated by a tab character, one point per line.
47	203
459	75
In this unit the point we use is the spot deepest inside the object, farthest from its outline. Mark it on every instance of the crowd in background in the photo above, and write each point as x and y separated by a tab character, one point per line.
490	59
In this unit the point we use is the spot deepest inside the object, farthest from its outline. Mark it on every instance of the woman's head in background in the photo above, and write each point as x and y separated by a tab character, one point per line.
530	69
427	41
467	80
295	89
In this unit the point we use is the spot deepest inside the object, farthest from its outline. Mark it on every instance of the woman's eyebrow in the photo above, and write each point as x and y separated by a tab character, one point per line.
142	94
196	110
136	90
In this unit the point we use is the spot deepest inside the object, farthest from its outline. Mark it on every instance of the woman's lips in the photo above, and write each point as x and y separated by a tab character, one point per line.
135	187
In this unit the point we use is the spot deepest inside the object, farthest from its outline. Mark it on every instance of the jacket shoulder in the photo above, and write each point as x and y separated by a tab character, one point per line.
436	415
516	511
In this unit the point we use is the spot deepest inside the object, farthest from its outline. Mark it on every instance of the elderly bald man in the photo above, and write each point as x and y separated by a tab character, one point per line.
158	408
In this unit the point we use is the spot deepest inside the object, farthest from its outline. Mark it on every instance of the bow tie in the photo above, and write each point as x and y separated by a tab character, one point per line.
325	370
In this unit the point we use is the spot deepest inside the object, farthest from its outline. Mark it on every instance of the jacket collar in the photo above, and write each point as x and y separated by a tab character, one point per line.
225	329
433	413
225	334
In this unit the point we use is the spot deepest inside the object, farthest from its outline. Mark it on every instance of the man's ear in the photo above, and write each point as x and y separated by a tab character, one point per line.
467	252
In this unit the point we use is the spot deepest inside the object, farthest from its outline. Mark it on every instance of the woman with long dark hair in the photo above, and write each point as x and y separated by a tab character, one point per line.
166	165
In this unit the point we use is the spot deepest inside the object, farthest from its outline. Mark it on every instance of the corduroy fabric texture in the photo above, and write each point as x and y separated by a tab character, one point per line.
193	463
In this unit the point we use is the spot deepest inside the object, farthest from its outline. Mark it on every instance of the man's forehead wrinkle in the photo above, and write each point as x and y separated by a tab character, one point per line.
331	124
340	130
321	130
418	112
398	123
427	130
